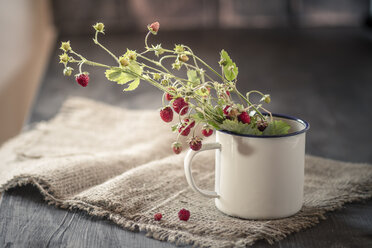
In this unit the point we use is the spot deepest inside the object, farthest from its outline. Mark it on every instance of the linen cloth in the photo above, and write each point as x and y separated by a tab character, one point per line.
118	164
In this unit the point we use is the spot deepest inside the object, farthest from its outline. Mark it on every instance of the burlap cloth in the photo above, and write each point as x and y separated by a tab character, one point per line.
118	164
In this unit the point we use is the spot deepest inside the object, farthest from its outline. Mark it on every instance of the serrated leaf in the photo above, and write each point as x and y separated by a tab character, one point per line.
113	74
225	58
214	124
193	77
277	128
133	85
129	74
230	69
239	127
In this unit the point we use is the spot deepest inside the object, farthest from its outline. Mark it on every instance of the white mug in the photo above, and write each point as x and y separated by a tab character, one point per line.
257	177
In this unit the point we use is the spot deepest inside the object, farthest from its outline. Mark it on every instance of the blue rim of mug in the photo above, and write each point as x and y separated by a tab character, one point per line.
303	122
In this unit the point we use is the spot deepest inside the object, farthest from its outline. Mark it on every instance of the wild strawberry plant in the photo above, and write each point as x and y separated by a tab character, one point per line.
202	96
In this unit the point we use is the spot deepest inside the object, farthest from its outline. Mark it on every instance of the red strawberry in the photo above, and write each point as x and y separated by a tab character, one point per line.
184	130
158	216
155	26
166	114
184	214
191	125
82	79
195	143
179	105
244	117
207	131
226	109
177	147
262	125
169	96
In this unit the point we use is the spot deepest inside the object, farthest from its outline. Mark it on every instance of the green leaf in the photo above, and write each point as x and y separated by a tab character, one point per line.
230	69
239	127
225	58
130	74
214	124
113	74
277	128
133	85
193	77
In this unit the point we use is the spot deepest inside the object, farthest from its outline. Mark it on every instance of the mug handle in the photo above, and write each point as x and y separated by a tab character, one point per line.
187	166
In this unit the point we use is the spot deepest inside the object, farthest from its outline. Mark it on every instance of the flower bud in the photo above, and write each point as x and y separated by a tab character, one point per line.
156	76
164	82
64	58
99	26
131	55
67	71
124	62
179	49
267	99
176	66
65	46
154	27
183	58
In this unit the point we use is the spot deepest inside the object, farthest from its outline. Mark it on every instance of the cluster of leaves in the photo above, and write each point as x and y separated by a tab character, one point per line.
208	96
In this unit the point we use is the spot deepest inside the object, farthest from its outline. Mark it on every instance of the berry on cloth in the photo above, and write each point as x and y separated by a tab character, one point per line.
184	214
158	216
180	106
166	114
82	79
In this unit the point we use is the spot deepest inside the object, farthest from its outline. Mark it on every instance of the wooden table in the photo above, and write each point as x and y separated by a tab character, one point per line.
322	75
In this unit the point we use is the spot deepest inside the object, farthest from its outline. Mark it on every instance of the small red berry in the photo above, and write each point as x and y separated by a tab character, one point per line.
184	130
228	93
184	214
154	27
207	131
82	79
244	117
226	109
158	216
195	143
168	96
166	114
262	125
191	125
179	105
177	147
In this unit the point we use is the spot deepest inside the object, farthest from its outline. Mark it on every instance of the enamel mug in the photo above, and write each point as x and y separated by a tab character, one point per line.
257	177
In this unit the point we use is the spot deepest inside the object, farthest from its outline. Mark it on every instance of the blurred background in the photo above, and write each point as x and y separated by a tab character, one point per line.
313	56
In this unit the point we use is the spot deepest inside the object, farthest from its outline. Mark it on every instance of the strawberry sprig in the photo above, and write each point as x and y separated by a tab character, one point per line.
201	97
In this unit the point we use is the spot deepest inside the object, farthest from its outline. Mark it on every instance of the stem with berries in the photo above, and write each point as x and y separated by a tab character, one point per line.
197	97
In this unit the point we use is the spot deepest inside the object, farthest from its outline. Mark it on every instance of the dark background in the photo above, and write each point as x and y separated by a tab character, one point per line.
313	57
